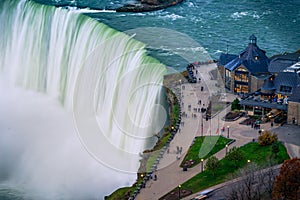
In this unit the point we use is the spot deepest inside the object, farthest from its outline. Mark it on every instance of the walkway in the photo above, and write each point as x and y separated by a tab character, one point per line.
169	174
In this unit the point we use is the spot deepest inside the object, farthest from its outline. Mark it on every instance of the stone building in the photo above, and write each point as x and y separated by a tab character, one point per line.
294	108
270	86
246	72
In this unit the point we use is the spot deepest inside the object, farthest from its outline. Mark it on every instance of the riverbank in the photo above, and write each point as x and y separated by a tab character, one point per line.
148	5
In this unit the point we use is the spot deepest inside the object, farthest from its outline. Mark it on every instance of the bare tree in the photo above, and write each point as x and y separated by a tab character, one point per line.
269	176
252	184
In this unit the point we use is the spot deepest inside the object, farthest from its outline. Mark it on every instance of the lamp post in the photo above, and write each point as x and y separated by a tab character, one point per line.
180	88
202	164
228	131
226	149
179	187
201	124
143	183
248	161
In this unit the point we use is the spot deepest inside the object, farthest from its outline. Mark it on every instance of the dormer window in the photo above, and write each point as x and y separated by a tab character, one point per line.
285	89
256	58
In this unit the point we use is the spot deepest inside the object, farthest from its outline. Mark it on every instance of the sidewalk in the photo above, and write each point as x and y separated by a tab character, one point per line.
169	174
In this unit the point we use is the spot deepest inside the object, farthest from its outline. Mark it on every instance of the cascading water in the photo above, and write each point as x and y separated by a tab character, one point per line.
104	80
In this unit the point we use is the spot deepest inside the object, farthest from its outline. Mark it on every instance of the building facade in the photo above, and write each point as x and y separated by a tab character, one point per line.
270	87
246	72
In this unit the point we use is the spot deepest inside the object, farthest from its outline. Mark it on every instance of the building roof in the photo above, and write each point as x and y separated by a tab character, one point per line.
262	76
280	62
279	65
293	68
226	58
253	58
286	79
295	97
252	102
268	86
287	56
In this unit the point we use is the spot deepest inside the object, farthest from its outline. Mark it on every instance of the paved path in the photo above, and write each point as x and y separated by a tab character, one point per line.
169	174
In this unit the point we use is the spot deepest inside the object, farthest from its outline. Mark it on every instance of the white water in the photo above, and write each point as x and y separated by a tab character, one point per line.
79	102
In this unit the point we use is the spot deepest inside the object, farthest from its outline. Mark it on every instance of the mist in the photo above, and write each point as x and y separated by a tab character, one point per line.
41	154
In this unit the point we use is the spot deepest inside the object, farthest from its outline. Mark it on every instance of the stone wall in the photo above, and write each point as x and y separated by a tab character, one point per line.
293	113
222	72
255	84
232	82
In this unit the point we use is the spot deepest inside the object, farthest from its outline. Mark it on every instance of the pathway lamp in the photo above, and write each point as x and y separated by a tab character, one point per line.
226	149
179	187
228	131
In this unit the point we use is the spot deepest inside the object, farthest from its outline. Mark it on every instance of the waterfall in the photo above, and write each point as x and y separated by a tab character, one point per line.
101	77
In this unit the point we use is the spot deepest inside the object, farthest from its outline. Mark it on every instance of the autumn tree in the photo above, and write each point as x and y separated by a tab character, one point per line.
235	155
267	138
212	164
287	183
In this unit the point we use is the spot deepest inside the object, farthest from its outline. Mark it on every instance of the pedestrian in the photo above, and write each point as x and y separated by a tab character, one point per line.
272	124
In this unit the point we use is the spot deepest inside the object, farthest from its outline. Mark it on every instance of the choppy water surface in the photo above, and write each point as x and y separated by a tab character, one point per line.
213	24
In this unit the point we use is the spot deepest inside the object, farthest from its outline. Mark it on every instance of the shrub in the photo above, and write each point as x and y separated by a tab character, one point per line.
212	164
275	148
267	138
235	155
235	105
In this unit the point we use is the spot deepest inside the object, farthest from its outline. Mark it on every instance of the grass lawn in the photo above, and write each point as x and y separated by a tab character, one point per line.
251	151
118	194
203	147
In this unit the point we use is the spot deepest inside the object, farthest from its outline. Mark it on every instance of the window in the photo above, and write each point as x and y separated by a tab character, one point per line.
227	73
285	89
241	77
241	88
241	69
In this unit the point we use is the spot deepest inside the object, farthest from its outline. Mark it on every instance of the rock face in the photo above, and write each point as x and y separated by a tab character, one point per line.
148	5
